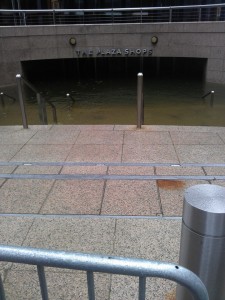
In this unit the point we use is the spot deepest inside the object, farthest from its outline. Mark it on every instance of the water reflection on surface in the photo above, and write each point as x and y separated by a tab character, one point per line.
167	102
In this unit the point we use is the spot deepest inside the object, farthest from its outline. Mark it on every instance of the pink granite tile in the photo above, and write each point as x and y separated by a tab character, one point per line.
130	198
95	153
192	171
149	153
24	195
195	138
100	137
42	153
74	197
172	195
147	138
201	153
130	170
55	136
215	170
84	170
96	127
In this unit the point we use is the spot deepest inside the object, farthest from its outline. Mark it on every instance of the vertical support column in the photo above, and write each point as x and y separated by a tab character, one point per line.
140	100
21	101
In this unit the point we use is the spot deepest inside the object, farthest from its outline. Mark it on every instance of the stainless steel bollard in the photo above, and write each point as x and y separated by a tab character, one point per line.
202	247
21	101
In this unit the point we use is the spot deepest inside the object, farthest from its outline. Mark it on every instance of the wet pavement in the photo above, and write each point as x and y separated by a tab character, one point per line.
107	189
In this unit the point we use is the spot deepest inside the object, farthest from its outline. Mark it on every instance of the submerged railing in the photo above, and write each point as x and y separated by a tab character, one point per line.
190	13
4	96
101	263
40	100
211	93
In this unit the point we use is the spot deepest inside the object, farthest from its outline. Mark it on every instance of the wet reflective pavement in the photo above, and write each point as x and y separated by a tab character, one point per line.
110	189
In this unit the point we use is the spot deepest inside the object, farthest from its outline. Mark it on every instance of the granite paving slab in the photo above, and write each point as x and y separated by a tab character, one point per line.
13	231
130	170
2	181
7	169
123	197
201	153
172	194
196	138
69	286
84	170
222	135
215	170
55	136
90	235
149	153
100	137
154	239
147	138
18	137
125	127
34	169
23	196
39	153
96	127
124	287
7	152
74	197
178	170
95	153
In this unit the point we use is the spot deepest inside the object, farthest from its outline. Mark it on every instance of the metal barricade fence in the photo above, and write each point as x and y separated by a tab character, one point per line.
101	263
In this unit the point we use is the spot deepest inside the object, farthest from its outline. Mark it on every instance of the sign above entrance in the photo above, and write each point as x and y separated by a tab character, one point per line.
113	52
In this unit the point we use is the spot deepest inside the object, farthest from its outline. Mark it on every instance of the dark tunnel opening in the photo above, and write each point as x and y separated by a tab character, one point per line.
114	67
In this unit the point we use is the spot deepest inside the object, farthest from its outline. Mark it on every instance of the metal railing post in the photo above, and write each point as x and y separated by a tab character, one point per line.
21	101
2	100
200	14
2	291
212	99
42	109
170	15
54	19
140	100
203	238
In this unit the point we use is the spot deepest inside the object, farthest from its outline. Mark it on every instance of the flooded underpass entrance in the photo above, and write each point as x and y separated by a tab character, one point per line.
103	91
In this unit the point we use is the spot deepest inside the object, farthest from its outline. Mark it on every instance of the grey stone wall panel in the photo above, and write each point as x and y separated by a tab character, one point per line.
203	40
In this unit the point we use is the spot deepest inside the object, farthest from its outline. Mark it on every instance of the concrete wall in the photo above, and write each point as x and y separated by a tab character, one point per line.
204	40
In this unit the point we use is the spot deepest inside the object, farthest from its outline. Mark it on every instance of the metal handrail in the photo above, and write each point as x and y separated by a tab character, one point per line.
2	100
111	15
41	103
101	263
211	93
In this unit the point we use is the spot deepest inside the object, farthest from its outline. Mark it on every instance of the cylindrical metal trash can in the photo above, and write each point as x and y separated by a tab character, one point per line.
202	248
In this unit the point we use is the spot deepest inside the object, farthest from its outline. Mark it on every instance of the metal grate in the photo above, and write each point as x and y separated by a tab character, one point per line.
104	264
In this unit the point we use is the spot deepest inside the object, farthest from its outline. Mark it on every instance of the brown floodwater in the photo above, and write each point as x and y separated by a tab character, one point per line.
113	101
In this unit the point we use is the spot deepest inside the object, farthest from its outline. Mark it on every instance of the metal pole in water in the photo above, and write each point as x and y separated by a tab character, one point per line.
140	102
2	99
202	248
21	101
42	109
212	99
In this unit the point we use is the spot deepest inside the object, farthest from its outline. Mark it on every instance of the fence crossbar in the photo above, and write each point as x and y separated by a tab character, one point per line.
105	264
